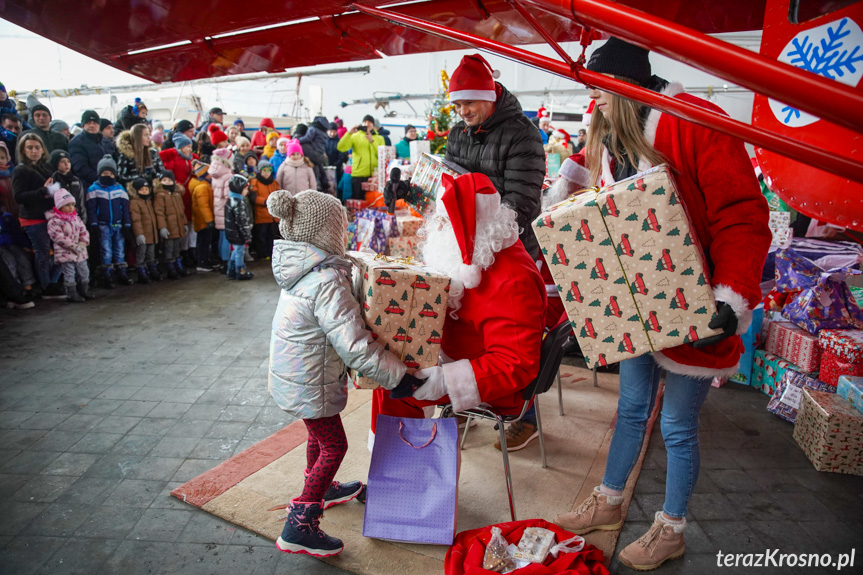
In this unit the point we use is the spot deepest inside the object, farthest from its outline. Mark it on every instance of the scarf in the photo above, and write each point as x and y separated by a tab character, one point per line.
296	163
266	181
66	217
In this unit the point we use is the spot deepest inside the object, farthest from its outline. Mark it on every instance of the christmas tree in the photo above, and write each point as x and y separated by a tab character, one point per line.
441	117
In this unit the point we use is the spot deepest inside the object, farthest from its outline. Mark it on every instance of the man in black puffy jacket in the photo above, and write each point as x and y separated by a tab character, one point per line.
86	149
495	138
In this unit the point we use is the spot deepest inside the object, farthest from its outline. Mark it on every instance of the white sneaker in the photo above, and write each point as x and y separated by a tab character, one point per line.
25	305
200	269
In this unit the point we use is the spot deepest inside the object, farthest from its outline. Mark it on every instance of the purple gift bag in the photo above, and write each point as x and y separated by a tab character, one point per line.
412	491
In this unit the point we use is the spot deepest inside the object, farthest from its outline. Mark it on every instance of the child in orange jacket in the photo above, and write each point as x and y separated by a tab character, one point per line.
266	227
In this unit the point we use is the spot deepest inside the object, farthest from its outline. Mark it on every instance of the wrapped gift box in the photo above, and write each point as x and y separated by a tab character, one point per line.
751	340
850	388
832	367
408	225
786	398
355	206
404	306
794	344
629	271
404	247
779	224
847	344
426	181
418	148
830	431
374	228
386	154
768	369
352	236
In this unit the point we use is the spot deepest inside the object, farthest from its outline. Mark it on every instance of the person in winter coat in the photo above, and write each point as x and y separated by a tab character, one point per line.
12	244
62	165
214	117
220	173
384	133
70	238
318	330
281	153
340	127
10	128
250	165
403	148
179	161
7	200
108	210
41	120
315	148
131	115
108	145
259	138
184	127
203	217
729	216
296	174
238	227
243	147
495	138
62	128
334	156
144	228
31	179
138	157
270	148
363	141
86	149
264	228
171	221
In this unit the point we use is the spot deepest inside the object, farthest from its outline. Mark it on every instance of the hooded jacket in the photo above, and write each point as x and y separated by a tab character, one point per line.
260	191
169	210
317	330
258	138
143	215
108	206
220	171
507	148
66	233
127	169
73	185
296	177
202	203
238	220
315	144
365	154
85	151
182	168
127	119
53	140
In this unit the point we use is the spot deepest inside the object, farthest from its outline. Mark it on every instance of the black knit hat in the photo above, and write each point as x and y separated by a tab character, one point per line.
104	123
368	118
621	58
139	183
183	126
168	174
89	116
56	156
38	107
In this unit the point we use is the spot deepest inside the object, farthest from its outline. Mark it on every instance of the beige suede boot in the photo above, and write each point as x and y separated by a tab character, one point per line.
662	542
599	512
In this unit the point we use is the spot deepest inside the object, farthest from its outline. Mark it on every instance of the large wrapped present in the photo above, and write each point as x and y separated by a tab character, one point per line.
768	369
404	305
355	206
825	302
426	181
751	340
629	270
833	366
786	398
847	344
404	247
408	225
794	344
850	388
830	431
352	236
386	154
418	148
373	230
780	226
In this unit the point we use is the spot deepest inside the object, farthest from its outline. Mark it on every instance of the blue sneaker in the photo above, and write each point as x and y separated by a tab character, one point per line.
302	532
341	493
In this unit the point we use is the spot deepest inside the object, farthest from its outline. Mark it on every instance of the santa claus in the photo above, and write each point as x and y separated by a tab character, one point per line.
494	325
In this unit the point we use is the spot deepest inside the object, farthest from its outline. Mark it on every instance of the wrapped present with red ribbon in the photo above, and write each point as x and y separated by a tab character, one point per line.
830	431
847	344
794	344
833	366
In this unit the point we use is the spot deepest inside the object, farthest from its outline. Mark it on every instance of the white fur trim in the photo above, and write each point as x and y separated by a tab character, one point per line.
607	176
371	441
473	95
672	366
575	173
487	207
461	385
672	90
738	303
678	525
470	276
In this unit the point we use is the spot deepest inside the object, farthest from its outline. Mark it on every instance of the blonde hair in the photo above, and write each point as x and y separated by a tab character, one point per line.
142	154
625	131
22	157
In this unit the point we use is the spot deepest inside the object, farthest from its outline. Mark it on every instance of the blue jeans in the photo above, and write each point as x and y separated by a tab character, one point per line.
46	271
238	253
224	247
113	245
681	405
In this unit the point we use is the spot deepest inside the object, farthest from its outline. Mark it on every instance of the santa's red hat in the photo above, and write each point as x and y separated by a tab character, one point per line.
561	135
473	80
218	136
469	201
543	113
585	118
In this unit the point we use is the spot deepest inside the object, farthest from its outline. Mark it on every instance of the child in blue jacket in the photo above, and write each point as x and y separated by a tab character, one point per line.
108	209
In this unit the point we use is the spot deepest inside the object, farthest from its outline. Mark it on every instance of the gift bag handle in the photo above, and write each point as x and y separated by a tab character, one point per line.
426	444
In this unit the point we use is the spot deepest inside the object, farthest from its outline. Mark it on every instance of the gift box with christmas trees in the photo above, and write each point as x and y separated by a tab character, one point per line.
628	268
404	305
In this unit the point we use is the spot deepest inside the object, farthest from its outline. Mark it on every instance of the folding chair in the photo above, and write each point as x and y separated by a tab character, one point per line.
551	354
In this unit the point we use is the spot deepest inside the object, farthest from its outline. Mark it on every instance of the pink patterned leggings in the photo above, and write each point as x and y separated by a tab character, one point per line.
325	450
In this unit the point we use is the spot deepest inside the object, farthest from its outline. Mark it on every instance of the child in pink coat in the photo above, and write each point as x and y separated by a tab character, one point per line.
296	174
71	238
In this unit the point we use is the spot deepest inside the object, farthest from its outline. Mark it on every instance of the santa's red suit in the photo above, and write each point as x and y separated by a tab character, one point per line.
729	215
492	349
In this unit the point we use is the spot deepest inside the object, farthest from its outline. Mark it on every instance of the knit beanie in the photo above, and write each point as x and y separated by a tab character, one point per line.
311	217
168	174
272	136
286	141
39	107
180	140
139	183
2	88
58	126
239	121
368	118
238	183
56	156
62	197
294	147
218	136
104	123
183	126
89	116
620	58
106	163
200	168
264	163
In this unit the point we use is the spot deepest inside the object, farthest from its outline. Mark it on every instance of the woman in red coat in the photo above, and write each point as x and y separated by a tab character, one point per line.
179	160
716	183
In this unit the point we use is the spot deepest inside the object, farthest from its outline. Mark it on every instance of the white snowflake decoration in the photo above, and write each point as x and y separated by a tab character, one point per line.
833	50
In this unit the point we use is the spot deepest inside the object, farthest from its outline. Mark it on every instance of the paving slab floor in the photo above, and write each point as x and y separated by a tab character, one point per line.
105	407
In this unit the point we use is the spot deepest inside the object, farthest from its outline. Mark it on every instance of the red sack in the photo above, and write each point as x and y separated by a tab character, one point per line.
467	552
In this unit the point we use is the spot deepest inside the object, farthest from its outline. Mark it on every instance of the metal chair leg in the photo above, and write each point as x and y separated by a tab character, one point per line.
464	433
595	384
539	428
559	394
506	469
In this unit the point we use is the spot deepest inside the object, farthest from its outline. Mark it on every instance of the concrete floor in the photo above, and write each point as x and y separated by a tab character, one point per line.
106	407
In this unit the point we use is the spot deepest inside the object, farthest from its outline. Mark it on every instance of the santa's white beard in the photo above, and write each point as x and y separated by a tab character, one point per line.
557	192
441	251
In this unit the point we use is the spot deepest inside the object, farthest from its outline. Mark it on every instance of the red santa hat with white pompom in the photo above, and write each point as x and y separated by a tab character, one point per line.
470	201
473	80
585	118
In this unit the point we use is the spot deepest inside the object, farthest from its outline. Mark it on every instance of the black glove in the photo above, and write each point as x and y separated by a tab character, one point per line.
406	387
725	319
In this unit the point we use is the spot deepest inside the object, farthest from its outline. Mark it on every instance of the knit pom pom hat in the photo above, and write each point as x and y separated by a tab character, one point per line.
294	147
311	217
62	197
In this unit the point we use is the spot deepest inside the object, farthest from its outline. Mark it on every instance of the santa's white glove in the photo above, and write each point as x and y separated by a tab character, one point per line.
435	386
